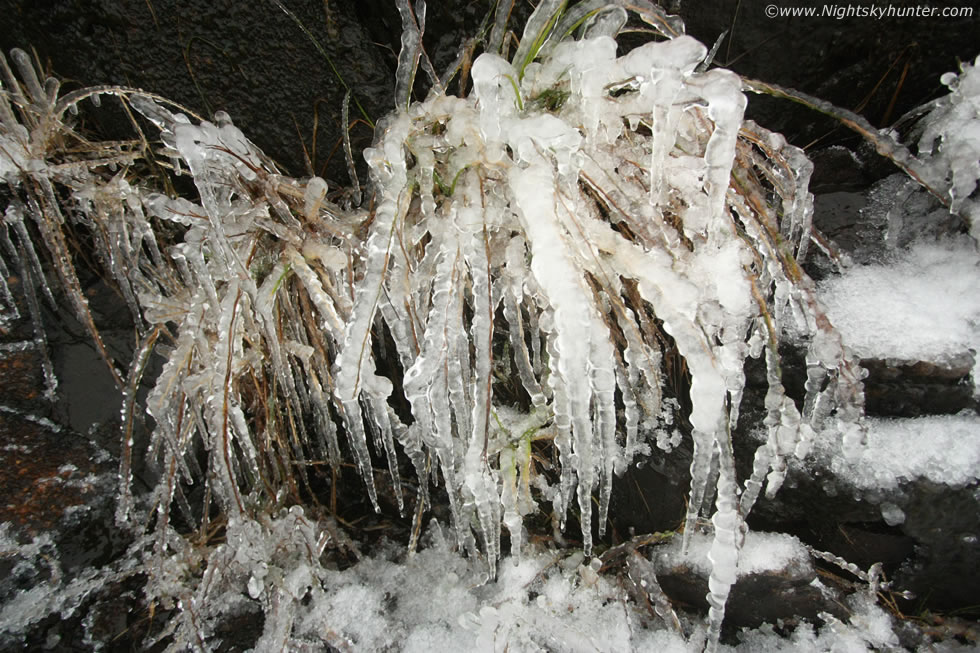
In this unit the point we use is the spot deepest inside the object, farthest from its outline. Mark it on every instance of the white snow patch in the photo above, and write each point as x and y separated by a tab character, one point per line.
869	629
943	449
761	552
923	306
437	600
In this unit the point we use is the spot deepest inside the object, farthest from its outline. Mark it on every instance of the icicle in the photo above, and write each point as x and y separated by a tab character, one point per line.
323	302
141	357
14	216
29	77
603	380
426	383
760	467
425	161
510	458
382	419
554	271
534	326
500	19
570	18
609	21
536	31
700	470
512	313
665	113
218	403
726	105
408	58
8	305
640	358
631	412
324	424
34	309
478	477
459	366
357	337
51	88
264	308
642	574
725	546
357	437
563	438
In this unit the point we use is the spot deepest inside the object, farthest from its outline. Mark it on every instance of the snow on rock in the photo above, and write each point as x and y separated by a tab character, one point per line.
923	305
869	629
943	449
438	601
761	553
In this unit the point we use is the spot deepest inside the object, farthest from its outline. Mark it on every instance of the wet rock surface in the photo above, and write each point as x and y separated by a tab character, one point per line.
878	68
58	486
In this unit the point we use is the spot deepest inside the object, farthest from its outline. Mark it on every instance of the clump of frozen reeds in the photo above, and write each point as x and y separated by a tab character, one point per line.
568	228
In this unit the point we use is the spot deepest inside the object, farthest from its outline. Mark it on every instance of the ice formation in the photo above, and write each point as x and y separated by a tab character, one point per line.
607	200
950	143
566	255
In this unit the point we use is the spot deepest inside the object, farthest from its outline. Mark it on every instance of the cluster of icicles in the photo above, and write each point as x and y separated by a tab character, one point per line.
581	213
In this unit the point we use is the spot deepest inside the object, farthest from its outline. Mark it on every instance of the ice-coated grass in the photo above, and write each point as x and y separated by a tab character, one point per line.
541	260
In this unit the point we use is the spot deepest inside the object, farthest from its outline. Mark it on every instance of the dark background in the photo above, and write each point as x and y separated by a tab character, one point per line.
253	61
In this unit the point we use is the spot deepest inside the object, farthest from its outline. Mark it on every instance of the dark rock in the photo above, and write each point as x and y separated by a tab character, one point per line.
879	68
899	388
930	548
249	59
839	217
786	594
870	225
651	496
945	524
45	472
837	169
20	375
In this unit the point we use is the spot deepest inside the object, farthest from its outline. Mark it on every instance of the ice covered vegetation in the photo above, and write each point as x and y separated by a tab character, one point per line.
556	271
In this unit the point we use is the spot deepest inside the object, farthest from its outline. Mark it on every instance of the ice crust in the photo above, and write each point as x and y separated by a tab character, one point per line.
579	219
436	600
517	179
607	222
